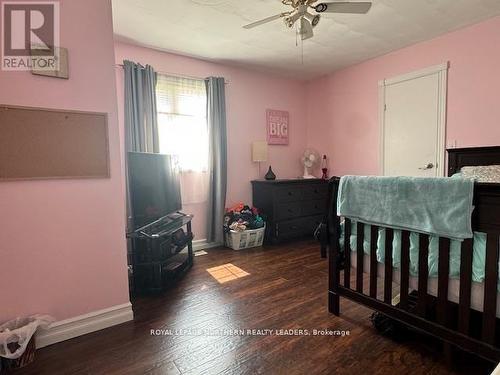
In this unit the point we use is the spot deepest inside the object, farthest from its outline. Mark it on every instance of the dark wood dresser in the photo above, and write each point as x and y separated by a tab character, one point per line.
293	208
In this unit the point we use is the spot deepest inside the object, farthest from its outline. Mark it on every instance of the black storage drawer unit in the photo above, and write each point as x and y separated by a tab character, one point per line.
293	208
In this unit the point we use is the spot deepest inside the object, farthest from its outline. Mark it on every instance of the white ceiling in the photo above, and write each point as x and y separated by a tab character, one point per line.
212	30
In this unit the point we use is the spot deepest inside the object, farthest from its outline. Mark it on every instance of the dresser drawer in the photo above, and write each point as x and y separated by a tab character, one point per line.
287	194
288	210
292	228
316	207
317	191
298	227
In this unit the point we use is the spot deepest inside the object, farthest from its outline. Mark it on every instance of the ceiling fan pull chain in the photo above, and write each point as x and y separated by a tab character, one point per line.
302	45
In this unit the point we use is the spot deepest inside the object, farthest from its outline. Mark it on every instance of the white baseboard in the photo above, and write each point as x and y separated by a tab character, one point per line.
203	244
83	324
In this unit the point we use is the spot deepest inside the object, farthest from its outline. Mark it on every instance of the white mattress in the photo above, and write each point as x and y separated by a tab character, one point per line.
477	292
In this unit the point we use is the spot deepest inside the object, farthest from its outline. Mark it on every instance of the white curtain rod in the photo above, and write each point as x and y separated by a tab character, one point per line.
178	75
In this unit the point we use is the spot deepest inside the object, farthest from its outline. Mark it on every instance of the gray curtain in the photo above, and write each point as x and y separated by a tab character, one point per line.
141	122
217	162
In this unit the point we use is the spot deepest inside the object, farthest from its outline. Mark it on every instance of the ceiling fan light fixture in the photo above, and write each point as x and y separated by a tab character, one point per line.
320	8
305	29
313	19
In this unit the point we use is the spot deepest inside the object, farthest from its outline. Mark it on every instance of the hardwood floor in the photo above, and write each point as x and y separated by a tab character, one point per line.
286	289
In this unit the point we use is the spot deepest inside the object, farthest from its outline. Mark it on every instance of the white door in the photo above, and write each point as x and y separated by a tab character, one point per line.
413	126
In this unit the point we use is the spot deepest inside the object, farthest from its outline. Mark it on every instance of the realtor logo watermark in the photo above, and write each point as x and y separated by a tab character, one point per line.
30	35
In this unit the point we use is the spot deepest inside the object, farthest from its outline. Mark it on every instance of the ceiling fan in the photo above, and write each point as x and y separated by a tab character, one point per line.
307	20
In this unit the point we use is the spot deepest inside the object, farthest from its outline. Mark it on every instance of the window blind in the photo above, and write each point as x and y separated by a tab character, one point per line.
182	122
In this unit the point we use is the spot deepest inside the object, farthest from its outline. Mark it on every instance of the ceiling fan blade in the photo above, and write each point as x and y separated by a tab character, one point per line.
265	20
344	7
305	29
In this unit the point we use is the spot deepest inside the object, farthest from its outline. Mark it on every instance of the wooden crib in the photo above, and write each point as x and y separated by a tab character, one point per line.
456	324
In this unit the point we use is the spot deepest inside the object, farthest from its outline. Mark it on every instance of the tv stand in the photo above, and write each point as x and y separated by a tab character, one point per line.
161	253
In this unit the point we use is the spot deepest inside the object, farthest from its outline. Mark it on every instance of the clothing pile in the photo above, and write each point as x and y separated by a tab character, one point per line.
242	217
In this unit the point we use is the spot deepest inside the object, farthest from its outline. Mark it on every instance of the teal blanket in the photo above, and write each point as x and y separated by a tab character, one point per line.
478	257
435	206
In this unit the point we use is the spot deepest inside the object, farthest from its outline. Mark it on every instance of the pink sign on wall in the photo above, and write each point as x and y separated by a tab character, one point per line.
277	127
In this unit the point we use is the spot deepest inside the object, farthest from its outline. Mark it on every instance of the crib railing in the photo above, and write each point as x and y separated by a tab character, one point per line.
431	314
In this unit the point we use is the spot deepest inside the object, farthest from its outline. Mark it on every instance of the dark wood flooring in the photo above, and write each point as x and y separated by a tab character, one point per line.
286	289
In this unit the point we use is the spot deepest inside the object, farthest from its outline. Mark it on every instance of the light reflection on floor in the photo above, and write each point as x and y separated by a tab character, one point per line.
226	272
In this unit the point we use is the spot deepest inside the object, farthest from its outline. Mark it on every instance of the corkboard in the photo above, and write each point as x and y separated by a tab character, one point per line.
40	143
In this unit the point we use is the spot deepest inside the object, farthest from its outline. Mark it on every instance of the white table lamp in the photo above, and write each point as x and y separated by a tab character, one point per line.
259	152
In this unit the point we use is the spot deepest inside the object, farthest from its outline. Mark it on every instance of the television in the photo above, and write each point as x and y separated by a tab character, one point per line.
154	183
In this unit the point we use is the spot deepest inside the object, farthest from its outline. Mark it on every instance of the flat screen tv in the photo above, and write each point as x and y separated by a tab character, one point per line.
154	187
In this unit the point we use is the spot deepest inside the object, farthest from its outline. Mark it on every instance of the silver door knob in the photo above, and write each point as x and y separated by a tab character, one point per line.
428	166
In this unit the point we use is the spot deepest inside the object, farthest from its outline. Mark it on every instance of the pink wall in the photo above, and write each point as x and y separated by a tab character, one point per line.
248	95
62	245
342	108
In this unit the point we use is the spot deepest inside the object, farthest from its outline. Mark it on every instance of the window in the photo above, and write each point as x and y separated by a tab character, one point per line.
182	121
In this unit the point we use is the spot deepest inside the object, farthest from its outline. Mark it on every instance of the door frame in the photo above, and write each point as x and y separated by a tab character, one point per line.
442	71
